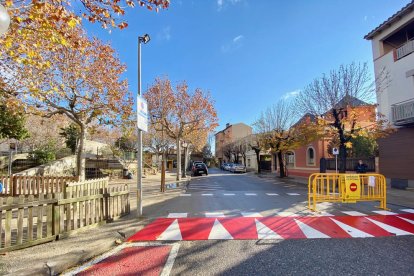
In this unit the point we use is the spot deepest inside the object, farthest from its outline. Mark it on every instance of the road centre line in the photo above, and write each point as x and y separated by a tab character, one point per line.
272	194
214	215
293	194
250	194
177	215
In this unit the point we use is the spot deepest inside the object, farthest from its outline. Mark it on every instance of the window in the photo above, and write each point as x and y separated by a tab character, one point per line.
310	156
248	162
290	159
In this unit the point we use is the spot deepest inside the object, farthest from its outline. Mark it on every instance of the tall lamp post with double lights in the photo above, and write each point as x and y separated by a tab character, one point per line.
141	39
4	20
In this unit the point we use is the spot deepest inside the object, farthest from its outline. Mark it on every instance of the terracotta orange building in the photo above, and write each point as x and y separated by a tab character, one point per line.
306	160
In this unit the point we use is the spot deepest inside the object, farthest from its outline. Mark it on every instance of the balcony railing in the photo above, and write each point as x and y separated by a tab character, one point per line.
406	49
403	113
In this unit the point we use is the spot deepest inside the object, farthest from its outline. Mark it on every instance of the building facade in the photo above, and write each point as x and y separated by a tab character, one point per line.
305	160
393	55
229	135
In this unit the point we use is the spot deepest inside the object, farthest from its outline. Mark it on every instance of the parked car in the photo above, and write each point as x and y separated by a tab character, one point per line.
223	165
199	168
227	166
238	168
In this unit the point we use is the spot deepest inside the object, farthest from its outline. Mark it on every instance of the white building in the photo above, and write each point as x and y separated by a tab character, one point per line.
393	52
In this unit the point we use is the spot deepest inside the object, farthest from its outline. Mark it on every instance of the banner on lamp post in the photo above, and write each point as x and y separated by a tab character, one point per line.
142	114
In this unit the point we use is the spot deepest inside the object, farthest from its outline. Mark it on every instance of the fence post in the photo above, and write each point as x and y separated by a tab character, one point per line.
13	183
56	215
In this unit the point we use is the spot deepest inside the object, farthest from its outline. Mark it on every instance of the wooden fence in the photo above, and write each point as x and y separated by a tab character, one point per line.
16	185
29	220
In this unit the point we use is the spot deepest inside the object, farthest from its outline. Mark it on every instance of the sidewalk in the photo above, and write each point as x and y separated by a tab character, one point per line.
55	257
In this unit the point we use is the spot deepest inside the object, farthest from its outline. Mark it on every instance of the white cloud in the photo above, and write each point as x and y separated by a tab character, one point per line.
291	94
235	43
165	33
237	38
224	3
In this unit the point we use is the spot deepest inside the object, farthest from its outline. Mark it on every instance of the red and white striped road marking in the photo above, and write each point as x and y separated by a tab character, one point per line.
147	258
252	228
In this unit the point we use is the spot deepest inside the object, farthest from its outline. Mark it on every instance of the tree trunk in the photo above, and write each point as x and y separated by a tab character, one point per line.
282	171
163	165
80	158
258	161
342	158
178	159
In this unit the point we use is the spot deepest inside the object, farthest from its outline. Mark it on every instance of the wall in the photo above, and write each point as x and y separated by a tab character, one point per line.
64	166
400	87
397	154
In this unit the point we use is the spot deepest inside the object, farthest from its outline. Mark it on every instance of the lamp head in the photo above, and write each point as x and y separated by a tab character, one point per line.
4	20
145	39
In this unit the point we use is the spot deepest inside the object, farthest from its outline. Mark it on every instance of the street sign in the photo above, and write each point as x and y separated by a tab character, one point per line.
335	151
352	187
142	114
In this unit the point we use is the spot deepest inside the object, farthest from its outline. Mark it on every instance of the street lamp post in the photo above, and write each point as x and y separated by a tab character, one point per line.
141	39
184	144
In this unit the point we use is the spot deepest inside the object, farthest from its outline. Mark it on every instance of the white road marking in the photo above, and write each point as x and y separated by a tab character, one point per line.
407	220
251	214
408	210
272	194
355	233
265	233
384	212
218	232
250	194
287	214
214	215
293	194
172	233
389	228
353	213
207	194
310	232
177	215
185	194
170	261
229	194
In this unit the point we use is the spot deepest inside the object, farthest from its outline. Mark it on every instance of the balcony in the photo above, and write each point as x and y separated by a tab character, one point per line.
405	50
403	113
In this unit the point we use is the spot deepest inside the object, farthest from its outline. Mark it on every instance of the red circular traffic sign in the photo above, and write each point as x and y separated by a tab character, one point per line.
353	187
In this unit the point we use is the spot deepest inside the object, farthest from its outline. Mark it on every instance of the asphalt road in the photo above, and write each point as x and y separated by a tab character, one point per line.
233	194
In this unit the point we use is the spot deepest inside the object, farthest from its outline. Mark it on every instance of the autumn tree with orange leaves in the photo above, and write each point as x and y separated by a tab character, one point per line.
37	26
82	83
340	102
180	113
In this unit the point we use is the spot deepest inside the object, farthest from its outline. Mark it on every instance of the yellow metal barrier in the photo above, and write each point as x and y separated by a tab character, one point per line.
346	188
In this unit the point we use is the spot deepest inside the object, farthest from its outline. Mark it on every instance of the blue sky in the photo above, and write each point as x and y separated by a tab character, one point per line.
247	53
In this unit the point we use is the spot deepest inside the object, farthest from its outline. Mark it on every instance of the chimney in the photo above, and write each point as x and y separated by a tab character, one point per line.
227	125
